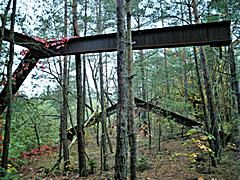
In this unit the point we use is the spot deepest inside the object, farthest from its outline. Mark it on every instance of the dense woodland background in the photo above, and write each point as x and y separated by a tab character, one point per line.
200	83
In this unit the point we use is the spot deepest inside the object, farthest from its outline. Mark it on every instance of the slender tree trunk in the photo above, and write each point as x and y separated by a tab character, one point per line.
205	116
234	81
165	57
131	125
65	101
185	81
166	71
159	135
6	140
61	112
103	117
4	19
106	106
214	124
97	92
143	74
89	94
37	135
121	146
79	82
104	153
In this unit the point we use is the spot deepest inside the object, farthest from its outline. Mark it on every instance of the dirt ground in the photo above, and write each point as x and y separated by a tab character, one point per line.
176	160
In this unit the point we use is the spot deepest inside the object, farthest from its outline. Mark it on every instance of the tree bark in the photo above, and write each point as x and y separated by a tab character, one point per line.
65	101
131	125
3	19
103	117
121	146
104	153
234	81
96	87
79	82
7	129
214	124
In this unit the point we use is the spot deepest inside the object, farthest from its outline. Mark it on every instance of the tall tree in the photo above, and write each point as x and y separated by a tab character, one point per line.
131	125
65	100
79	82
121	146
210	103
104	153
6	140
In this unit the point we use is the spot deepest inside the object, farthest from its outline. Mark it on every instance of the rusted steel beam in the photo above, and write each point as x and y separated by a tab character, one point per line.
19	75
25	41
140	104
213	34
158	110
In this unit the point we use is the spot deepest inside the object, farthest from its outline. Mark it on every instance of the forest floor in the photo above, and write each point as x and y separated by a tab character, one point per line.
176	160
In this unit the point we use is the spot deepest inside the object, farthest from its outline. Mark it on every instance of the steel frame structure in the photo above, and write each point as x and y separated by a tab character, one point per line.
213	34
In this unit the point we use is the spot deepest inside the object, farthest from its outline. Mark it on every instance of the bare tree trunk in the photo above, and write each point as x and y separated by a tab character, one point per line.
3	19
65	101
166	70
234	81
214	124
159	135
61	112
96	87
185	81
165	56
104	153
121	146
37	134
7	129
103	117
131	125
80	120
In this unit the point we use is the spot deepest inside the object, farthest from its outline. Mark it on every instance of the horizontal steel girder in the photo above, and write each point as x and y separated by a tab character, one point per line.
213	34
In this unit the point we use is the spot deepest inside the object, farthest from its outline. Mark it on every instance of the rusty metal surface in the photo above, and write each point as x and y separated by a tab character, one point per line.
213	34
20	74
24	41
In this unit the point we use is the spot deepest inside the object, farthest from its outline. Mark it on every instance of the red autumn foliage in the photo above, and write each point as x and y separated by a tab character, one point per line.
24	52
38	151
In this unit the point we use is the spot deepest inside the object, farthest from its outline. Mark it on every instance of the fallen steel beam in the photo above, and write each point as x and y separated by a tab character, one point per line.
140	104
164	112
213	34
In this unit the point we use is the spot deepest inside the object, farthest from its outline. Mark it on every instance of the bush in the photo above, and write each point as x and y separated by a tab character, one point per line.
143	163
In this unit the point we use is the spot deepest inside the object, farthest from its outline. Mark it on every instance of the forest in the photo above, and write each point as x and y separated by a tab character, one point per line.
120	89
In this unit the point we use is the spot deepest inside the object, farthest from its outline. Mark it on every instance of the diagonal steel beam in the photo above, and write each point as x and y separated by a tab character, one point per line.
19	75
25	41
